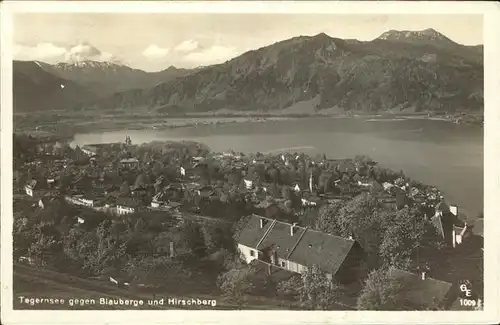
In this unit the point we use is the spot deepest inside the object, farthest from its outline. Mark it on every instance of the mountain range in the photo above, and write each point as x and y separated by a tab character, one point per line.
402	70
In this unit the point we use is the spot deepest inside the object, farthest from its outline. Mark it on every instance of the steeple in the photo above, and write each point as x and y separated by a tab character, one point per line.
128	141
311	182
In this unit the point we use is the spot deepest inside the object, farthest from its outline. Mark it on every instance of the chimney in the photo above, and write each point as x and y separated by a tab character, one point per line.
262	223
423	275
292	228
172	249
269	271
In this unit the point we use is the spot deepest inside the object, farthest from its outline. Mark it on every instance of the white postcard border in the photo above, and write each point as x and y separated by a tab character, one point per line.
490	314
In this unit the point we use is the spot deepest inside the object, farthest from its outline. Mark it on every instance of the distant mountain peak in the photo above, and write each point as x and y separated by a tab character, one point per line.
87	64
428	34
322	35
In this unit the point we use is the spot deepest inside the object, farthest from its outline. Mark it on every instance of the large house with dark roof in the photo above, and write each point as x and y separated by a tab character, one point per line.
450	225
296	248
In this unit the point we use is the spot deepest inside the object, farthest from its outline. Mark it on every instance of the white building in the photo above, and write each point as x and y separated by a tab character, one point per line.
80	200
30	187
295	248
121	210
248	184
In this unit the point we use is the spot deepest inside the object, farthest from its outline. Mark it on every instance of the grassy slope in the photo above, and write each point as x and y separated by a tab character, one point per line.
31	282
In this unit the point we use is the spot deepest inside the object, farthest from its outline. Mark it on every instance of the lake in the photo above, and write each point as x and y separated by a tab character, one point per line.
440	153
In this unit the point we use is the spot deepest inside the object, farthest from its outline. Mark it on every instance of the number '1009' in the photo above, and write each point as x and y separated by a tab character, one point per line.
467	302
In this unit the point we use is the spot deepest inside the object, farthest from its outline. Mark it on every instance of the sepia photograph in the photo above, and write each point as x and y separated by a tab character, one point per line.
245	160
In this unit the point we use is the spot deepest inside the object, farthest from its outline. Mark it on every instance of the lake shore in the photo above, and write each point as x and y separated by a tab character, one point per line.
66	125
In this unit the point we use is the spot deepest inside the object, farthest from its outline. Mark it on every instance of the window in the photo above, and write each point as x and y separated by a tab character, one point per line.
252	253
282	263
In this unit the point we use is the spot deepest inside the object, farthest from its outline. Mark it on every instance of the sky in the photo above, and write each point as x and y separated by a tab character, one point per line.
153	42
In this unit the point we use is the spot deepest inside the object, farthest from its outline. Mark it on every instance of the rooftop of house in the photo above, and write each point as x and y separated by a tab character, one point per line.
265	204
322	249
129	161
174	186
160	197
128	202
280	239
173	204
252	233
32	183
422	292
306	247
95	145
446	222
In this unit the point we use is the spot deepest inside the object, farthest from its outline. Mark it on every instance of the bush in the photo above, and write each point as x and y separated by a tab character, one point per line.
381	292
291	288
243	280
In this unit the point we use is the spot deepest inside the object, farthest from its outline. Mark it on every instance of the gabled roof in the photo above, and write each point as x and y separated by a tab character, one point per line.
32	183
326	251
446	223
280	240
437	222
420	292
129	160
174	186
90	147
128	202
251	234
306	247
160	197
265	204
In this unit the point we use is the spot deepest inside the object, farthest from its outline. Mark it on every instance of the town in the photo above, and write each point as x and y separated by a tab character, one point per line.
283	229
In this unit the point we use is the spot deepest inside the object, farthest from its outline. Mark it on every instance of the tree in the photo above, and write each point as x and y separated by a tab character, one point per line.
404	233
217	236
95	250
385	291
141	181
317	291
154	270
193	239
309	217
274	190
290	288
22	235
157	169
286	193
326	221
235	177
359	218
45	244
274	175
125	189
243	280
325	180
